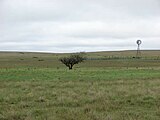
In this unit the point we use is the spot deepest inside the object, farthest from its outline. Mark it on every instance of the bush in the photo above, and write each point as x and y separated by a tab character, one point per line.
72	60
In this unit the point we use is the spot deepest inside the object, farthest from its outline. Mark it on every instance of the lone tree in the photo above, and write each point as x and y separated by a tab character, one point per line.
72	60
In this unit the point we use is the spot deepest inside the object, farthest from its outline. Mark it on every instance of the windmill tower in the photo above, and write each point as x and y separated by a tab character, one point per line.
138	54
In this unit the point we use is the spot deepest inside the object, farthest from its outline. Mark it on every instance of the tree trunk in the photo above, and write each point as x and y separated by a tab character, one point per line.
70	67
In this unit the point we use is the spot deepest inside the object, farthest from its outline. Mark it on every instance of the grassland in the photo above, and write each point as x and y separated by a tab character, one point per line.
107	86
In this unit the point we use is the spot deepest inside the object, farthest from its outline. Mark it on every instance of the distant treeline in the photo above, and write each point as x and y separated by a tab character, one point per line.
121	58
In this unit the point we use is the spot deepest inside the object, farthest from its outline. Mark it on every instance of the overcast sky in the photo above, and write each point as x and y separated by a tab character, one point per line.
78	25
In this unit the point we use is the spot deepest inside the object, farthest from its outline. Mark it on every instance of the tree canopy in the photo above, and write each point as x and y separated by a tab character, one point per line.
72	60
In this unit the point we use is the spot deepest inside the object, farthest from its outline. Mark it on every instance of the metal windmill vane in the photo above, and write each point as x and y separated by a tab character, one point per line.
138	55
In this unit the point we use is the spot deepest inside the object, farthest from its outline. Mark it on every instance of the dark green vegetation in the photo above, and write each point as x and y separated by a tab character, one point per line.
71	60
107	86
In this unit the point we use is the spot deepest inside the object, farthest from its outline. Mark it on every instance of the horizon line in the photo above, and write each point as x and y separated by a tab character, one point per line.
28	51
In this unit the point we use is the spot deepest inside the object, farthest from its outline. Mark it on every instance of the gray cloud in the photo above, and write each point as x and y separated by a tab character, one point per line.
82	25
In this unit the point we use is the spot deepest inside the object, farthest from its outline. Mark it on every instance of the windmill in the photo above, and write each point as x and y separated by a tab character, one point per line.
138	54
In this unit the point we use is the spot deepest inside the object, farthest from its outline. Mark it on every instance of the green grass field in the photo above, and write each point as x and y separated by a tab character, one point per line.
107	86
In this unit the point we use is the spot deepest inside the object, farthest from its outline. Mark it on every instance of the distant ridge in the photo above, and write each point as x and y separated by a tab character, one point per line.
127	53
41	52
